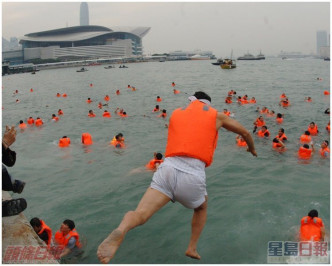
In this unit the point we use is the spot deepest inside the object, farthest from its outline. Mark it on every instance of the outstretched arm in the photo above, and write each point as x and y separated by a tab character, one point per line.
234	126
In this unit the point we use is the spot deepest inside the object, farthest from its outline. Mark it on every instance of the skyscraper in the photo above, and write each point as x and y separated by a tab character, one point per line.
84	14
321	40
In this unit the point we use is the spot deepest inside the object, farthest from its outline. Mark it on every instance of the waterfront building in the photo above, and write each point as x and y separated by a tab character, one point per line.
321	38
84	42
84	14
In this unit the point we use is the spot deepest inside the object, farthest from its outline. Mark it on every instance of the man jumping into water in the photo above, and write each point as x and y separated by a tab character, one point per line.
192	139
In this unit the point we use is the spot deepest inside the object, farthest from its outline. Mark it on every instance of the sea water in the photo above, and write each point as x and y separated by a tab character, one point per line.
251	200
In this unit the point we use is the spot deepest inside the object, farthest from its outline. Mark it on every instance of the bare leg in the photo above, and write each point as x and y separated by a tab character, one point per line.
150	203
197	225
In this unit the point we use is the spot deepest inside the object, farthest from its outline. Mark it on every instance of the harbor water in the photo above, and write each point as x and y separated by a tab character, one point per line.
251	200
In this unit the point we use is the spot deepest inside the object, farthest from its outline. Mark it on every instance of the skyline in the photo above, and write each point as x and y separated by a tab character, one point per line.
219	27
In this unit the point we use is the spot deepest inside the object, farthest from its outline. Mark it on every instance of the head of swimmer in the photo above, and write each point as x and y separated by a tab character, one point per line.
313	213
324	144
200	95
119	137
158	156
67	226
36	224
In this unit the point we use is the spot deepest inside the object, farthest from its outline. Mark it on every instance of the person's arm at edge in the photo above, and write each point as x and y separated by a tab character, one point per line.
234	126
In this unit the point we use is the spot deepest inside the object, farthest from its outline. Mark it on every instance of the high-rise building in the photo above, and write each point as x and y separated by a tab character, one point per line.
321	40
84	14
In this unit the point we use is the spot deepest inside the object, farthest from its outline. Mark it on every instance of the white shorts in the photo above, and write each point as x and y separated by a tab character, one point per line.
188	189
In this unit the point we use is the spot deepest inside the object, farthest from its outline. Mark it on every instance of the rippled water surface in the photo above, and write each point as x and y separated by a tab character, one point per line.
251	200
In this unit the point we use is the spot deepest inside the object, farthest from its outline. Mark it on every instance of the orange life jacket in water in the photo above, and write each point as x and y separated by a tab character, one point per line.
283	137
259	123
87	139
106	98
106	114
23	125
48	230
311	229
38	122
159	99
192	132
152	164
304	153
313	131
62	240
279	120
30	121
64	142
241	142
328	128
323	151
262	134
305	138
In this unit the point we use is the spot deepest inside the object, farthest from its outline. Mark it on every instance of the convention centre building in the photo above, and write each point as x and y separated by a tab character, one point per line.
84	42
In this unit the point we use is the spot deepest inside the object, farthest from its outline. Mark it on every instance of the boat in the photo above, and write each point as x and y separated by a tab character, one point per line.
108	67
82	70
162	60
218	63
248	56
228	64
123	66
326	58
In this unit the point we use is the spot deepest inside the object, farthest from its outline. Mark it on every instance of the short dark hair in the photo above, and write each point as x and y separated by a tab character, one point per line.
264	127
69	223
279	115
313	213
307	133
21	121
306	146
35	222
282	130
159	156
200	95
275	140
326	142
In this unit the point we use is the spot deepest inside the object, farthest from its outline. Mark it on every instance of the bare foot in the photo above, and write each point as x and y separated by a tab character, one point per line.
192	253
109	246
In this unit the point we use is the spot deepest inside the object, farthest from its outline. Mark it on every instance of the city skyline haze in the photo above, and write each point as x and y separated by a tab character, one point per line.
219	27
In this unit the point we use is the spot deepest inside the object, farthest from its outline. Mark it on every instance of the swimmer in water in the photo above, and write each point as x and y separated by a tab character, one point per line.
324	150
91	114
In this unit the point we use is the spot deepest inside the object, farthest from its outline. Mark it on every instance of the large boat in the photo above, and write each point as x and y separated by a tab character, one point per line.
108	67
228	64
248	56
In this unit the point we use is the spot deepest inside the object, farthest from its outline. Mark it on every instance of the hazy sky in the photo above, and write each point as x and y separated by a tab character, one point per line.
215	26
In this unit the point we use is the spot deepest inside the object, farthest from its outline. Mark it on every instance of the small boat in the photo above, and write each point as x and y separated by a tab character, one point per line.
228	64
162	60
123	66
218	63
108	67
82	70
326	58
248	56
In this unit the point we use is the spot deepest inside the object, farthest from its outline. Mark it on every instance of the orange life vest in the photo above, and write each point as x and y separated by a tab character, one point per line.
123	115
279	120
176	92
313	131
23	125
31	90
305	138
228	113
64	95
283	96
228	101
322	151
30	121
48	230
88	101
304	153
159	100
60	112
266	111
91	115
163	115
285	103
252	101
326	93
62	240
64	142
156	110
117	92
152	164
244	101
106	114
192	132
276	145
38	122
328	128
58	95
259	123
282	138
311	229
107	98
86	139
241	142
261	134
55	119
